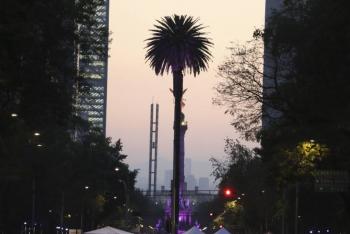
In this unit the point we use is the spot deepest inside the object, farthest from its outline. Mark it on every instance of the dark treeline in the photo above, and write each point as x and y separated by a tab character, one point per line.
301	84
48	176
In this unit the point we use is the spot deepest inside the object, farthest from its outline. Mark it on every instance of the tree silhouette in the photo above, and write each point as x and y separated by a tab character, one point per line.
178	44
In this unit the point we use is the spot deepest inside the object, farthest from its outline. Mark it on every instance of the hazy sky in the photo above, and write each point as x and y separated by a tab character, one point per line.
132	85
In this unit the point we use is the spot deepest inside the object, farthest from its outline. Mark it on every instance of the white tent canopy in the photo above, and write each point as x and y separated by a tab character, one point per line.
107	230
222	231
194	230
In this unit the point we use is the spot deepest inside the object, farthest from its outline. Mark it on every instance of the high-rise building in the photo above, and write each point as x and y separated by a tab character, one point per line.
271	6
168	176
203	183
188	164
269	68
92	105
191	182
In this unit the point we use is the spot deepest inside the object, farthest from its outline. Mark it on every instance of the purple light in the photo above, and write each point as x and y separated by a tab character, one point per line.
158	223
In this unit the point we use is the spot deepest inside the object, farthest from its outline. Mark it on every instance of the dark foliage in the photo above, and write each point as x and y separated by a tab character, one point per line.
39	77
178	43
302	88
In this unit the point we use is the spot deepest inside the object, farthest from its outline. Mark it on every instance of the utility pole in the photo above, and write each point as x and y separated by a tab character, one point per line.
33	204
296	207
284	210
62	212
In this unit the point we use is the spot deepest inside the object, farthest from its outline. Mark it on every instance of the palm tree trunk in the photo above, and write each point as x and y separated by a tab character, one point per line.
178	87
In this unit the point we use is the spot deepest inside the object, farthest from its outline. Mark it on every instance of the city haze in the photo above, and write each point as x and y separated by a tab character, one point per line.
133	86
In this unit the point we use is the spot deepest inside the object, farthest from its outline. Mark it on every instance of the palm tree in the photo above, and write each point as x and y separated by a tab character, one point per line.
178	45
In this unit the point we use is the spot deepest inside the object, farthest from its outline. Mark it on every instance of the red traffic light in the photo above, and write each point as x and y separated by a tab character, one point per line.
228	192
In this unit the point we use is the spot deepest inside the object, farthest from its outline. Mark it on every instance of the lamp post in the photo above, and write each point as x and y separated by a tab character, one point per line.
296	208
36	135
62	211
125	192
117	169
25	227
86	187
126	195
33	205
126	199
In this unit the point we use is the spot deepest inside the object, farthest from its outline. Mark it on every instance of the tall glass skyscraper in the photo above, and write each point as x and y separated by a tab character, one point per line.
269	65
92	105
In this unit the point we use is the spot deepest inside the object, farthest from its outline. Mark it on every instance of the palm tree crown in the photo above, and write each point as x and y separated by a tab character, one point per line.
178	43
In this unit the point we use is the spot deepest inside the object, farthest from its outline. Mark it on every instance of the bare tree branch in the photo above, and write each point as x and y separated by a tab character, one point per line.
243	78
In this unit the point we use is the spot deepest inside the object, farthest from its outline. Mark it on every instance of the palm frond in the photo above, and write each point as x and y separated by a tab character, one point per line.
178	43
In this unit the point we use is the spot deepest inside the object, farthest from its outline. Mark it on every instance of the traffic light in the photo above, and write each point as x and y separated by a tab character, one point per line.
228	192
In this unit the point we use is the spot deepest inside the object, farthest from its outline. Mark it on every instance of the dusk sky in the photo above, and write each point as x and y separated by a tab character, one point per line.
132	85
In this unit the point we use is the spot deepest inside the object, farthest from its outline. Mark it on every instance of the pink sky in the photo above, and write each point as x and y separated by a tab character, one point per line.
132	85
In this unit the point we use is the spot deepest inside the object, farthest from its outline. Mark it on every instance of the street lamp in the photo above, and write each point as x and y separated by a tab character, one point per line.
25	227
86	187
125	188
125	192
33	224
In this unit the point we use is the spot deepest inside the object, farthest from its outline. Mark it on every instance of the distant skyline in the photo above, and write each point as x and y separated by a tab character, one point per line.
133	86
164	175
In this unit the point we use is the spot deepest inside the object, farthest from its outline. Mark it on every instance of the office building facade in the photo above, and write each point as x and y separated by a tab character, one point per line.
92	105
270	64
